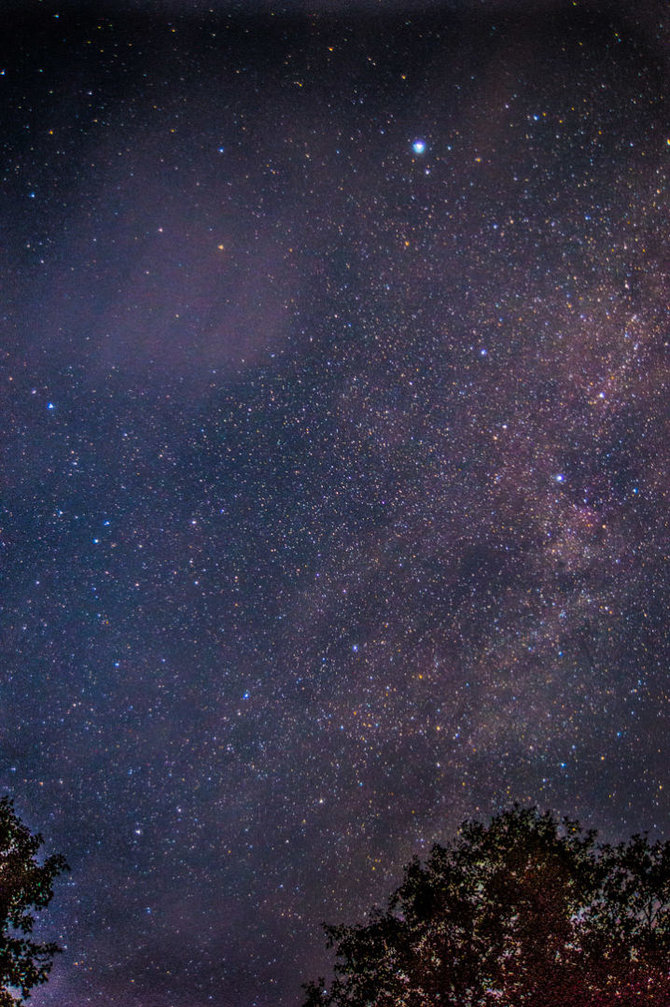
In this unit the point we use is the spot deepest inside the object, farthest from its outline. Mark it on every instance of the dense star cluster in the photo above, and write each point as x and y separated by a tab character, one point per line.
335	459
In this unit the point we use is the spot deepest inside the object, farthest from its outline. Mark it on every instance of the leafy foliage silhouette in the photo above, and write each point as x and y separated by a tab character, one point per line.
524	911
25	886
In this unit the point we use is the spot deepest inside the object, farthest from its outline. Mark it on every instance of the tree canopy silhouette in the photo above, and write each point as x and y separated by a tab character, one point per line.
25	886
524	911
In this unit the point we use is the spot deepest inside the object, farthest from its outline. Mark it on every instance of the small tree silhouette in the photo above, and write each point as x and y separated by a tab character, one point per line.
25	886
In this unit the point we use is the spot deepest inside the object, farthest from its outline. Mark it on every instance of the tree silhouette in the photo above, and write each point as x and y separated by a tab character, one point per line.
524	911
25	886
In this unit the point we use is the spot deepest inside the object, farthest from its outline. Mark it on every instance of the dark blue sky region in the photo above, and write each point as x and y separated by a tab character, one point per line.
335	444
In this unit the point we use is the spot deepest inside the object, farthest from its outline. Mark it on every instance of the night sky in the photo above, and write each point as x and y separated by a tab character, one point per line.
335	451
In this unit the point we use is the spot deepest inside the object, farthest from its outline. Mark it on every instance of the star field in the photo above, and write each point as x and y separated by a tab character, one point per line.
334	383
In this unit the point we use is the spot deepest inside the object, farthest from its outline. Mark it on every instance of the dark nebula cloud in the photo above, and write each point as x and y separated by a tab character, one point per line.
334	455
